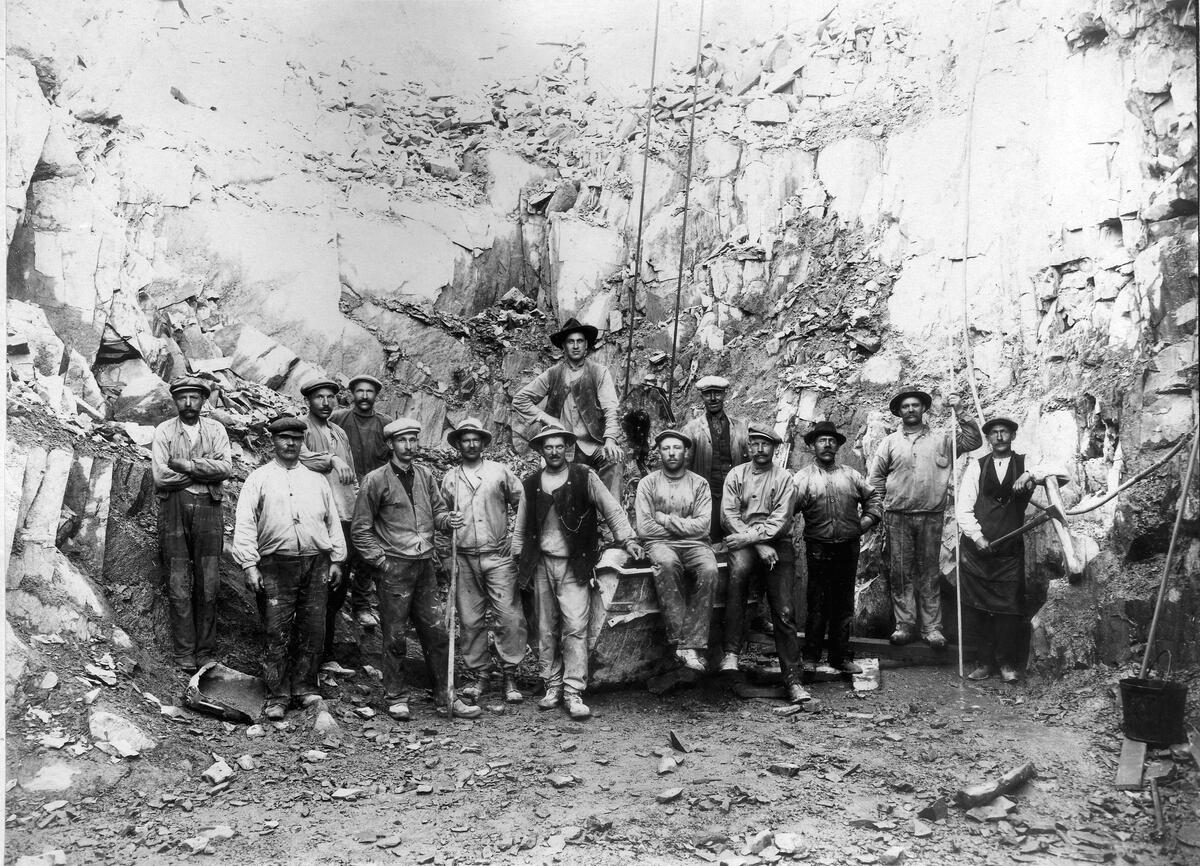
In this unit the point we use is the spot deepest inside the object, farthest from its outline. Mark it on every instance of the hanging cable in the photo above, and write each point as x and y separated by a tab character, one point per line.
687	189
637	250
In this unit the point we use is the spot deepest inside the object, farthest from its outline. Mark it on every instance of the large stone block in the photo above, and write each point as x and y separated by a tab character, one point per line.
27	120
846	168
582	258
141	396
33	345
255	356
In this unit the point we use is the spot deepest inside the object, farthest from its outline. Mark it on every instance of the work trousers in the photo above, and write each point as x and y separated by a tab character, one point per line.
563	614
832	566
610	473
687	614
191	538
915	546
359	580
997	636
408	589
781	581
292	604
717	533
337	594
489	580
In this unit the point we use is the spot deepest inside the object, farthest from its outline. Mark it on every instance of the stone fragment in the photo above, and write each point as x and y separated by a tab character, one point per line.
217	773
771	109
49	681
669	795
128	739
443	166
255	356
936	811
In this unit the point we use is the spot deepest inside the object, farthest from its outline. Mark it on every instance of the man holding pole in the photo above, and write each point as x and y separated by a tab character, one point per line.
398	508
911	470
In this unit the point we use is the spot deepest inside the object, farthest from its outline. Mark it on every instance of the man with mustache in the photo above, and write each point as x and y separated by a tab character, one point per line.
756	509
673	512
288	541
484	491
992	499
911	469
191	458
579	395
326	451
830	498
718	444
369	447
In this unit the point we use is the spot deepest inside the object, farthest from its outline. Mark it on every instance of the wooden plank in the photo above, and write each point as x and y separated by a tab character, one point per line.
1129	770
917	653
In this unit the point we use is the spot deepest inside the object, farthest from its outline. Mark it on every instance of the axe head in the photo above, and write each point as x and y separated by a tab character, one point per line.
1055	513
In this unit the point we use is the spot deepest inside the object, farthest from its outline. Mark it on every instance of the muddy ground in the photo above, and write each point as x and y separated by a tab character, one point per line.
847	781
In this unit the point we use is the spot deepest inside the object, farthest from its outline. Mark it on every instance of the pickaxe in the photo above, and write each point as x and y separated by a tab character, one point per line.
1056	513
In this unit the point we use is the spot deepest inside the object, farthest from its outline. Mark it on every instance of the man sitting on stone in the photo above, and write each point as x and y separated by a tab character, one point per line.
579	395
288	540
398	508
190	460
673	512
556	544
757	513
830	497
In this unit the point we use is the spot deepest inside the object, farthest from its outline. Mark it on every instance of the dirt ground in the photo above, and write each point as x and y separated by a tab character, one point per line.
847	781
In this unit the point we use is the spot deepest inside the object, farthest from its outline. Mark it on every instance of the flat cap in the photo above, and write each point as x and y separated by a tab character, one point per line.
317	384
287	424
1000	421
189	383
401	425
365	377
549	431
712	383
673	434
762	431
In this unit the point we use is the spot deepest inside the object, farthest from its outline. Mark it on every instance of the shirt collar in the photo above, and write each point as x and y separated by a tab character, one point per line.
920	431
401	472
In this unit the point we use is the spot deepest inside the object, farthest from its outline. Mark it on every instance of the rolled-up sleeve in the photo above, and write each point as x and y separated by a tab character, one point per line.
609	508
525	401
606	393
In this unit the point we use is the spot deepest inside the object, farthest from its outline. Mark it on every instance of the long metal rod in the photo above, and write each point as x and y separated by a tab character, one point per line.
954	511
687	189
1162	585
637	250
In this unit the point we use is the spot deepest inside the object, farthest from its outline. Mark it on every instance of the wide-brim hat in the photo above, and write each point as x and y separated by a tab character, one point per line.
894	405
468	425
712	383
572	326
1000	421
824	428
317	384
401	425
189	383
762	431
287	424
673	434
369	379
536	440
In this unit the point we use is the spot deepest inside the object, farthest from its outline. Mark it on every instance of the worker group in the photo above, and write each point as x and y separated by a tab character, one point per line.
344	513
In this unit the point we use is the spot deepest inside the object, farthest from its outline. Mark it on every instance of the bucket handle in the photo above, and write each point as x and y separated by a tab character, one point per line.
1170	662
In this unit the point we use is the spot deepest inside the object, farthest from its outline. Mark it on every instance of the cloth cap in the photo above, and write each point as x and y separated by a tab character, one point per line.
401	425
824	428
894	405
673	434
286	424
546	432
189	383
315	385
370	380
712	383
1000	421
762	431
468	425
574	326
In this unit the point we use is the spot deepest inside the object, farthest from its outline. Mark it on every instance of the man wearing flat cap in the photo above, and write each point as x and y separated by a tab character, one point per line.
718	444
326	451
369	447
912	469
673	513
838	506
191	458
485	492
756	510
398	509
579	395
992	498
556	544
288	540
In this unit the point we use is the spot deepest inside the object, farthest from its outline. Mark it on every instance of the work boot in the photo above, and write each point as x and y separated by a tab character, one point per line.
691	660
809	667
936	640
399	711
1008	673
366	618
796	694
460	709
827	670
477	688
729	663
575	705
901	636
275	712
333	667
552	698
848	667
307	701
512	692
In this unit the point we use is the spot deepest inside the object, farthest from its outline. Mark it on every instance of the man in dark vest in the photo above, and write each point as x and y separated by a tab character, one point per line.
369	447
579	395
556	543
992	499
718	444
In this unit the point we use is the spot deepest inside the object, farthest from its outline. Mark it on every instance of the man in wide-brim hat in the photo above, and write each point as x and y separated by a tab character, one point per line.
912	469
719	443
190	459
579	395
485	493
838	506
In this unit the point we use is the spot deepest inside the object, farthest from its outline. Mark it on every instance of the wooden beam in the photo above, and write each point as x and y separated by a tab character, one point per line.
1129	770
917	653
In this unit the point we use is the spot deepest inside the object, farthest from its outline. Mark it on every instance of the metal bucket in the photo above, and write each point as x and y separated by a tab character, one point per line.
1154	709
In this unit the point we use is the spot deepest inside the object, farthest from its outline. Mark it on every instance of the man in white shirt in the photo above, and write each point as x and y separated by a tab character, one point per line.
288	541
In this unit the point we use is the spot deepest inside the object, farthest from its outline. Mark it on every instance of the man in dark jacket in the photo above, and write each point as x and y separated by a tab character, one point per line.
556	541
718	444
